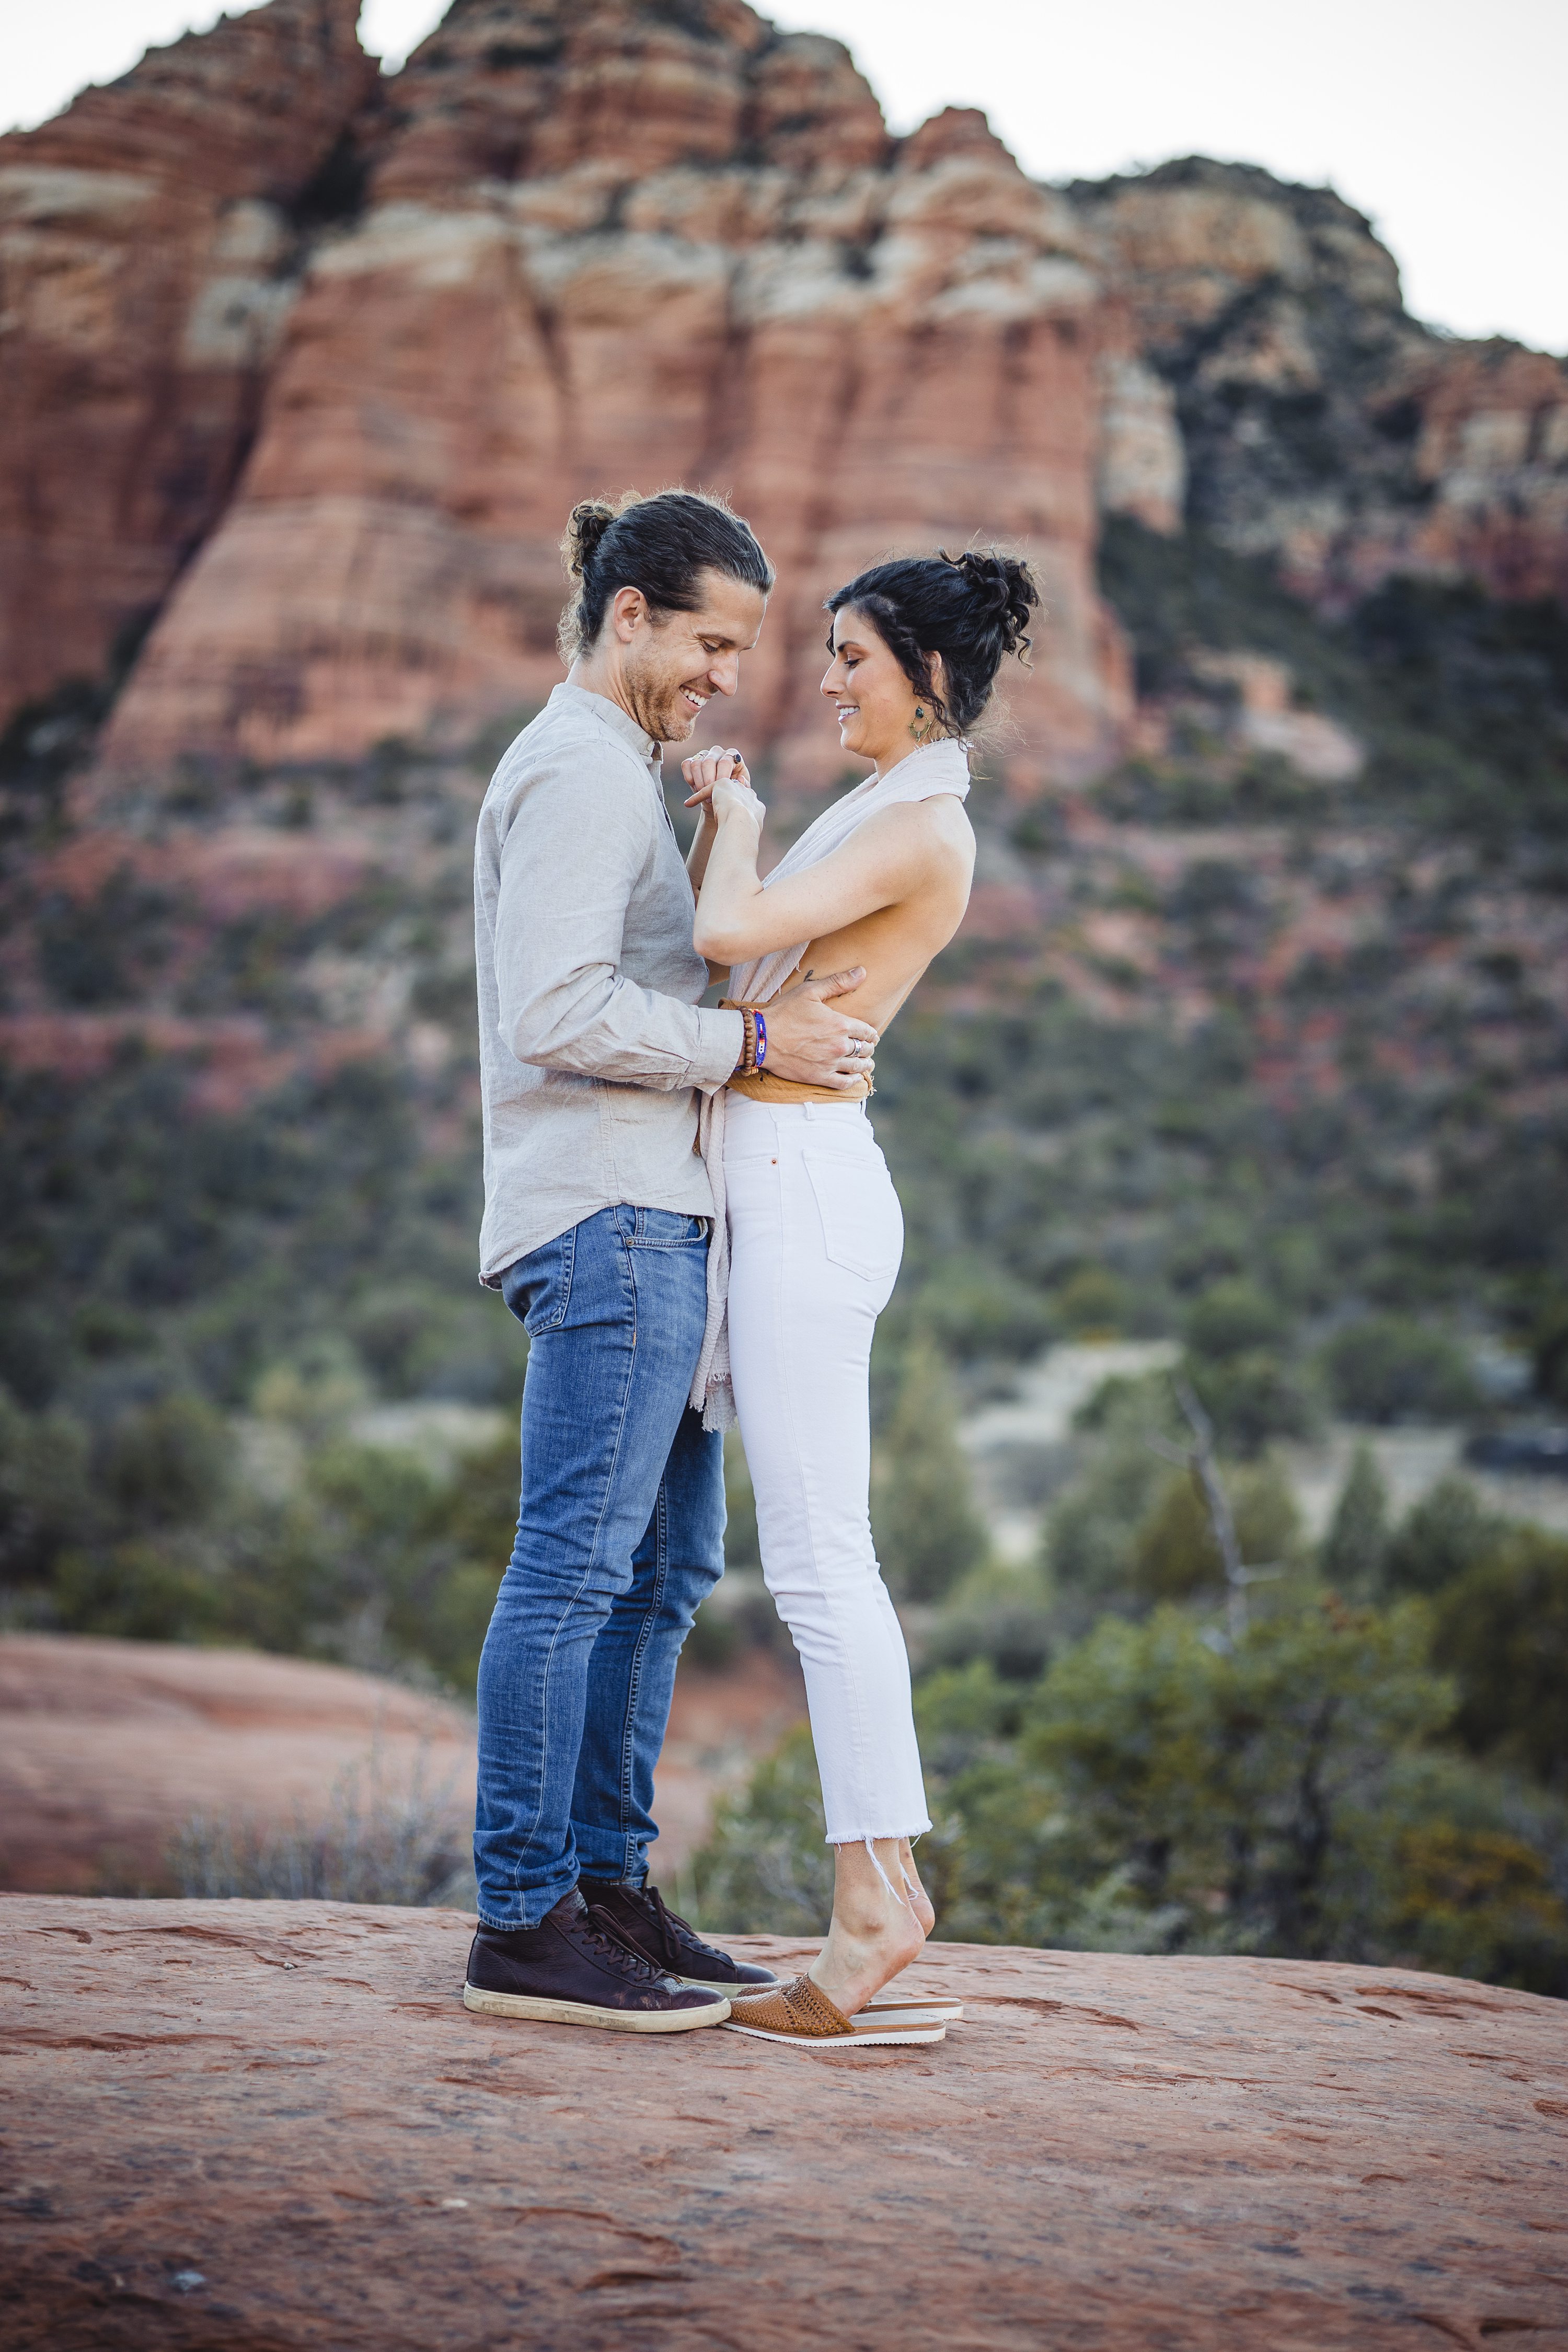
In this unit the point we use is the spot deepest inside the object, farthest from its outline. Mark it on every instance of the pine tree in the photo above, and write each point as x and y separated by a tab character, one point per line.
1356	1545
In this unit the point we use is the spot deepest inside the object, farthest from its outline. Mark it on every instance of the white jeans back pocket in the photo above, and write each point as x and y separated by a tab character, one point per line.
862	1224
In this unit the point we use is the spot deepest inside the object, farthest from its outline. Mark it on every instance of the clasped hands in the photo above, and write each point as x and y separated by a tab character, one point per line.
808	1040
719	784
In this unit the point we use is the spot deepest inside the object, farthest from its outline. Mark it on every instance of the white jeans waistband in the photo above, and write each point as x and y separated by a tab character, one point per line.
742	1108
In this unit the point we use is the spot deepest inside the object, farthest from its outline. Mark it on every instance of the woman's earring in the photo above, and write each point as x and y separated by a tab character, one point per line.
919	733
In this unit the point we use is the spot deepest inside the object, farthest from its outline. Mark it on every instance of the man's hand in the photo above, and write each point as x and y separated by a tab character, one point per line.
815	1045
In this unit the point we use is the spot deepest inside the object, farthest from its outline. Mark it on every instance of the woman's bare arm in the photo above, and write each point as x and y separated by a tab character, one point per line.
885	861
702	769
701	849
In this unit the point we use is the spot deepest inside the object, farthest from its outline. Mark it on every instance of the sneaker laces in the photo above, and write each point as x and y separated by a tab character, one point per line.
598	1931
671	1929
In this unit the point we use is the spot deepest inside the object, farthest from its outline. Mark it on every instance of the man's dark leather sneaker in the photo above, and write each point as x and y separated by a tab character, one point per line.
571	1971
637	1916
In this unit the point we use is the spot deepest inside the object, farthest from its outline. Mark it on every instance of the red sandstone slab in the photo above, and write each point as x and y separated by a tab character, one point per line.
273	2125
107	1748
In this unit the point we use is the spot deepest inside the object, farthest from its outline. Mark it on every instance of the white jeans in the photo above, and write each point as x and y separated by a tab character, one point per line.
815	1236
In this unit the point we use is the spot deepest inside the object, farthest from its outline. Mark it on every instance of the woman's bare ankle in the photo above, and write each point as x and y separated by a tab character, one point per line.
851	1969
918	1901
875	1931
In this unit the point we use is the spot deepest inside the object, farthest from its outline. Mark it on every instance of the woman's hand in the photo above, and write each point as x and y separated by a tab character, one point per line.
716	781
705	770
737	800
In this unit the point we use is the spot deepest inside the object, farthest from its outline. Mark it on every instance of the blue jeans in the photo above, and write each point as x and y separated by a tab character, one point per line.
620	1533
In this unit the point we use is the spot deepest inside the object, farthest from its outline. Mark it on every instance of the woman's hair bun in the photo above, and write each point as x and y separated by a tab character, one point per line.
585	527
972	609
1004	590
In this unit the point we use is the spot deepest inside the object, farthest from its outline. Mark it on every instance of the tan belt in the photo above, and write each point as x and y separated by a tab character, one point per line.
763	1086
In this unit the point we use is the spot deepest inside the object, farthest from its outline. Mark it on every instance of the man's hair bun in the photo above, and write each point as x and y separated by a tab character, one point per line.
585	527
661	544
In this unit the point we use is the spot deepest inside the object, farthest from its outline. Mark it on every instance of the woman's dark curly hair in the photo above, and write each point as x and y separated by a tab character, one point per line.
660	545
972	609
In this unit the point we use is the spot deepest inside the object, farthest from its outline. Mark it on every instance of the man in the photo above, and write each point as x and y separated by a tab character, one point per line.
594	1049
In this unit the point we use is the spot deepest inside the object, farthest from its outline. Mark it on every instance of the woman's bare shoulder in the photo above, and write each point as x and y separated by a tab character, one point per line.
950	835
941	824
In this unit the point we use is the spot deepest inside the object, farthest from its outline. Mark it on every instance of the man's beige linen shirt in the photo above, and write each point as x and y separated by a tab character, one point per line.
593	1044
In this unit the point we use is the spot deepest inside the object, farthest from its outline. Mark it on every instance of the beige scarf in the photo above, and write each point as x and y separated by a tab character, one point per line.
934	768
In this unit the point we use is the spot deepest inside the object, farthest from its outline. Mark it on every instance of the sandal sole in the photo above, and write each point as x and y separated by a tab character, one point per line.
952	2010
889	2037
539	2011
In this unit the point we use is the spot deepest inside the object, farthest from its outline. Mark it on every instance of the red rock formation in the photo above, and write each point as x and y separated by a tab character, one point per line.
270	2125
148	239
606	242
1319	423
107	1748
608	245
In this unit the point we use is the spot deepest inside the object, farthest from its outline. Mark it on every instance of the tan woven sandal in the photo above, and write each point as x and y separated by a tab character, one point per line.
800	2013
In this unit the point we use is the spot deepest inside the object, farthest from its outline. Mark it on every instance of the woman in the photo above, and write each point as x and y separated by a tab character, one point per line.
881	881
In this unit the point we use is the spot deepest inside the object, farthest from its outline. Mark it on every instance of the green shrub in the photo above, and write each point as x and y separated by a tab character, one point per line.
1448	1531
1230	1319
1091	1530
1252	1398
1002	1614
766	1865
1479	1903
48	1495
1163	1788
137	1592
1389	1367
1502	1631
928	1534
1241	1784
1093	1303
168	1464
1176	1554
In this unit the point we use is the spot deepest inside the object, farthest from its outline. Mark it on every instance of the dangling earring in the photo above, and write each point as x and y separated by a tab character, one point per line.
919	733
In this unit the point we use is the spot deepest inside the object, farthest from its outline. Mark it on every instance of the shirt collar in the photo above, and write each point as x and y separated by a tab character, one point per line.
610	714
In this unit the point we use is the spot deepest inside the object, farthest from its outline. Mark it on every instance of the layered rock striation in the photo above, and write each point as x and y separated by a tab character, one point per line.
609	245
1303	414
152	241
305	366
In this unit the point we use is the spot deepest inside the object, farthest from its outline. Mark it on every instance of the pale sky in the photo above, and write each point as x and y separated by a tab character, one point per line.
1443	119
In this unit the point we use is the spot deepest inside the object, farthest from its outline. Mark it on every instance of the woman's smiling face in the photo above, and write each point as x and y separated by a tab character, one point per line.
874	701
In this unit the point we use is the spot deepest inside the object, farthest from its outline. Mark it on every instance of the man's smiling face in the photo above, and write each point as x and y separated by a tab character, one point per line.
673	664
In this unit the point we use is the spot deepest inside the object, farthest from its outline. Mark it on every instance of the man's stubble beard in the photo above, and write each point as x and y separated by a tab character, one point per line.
660	709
